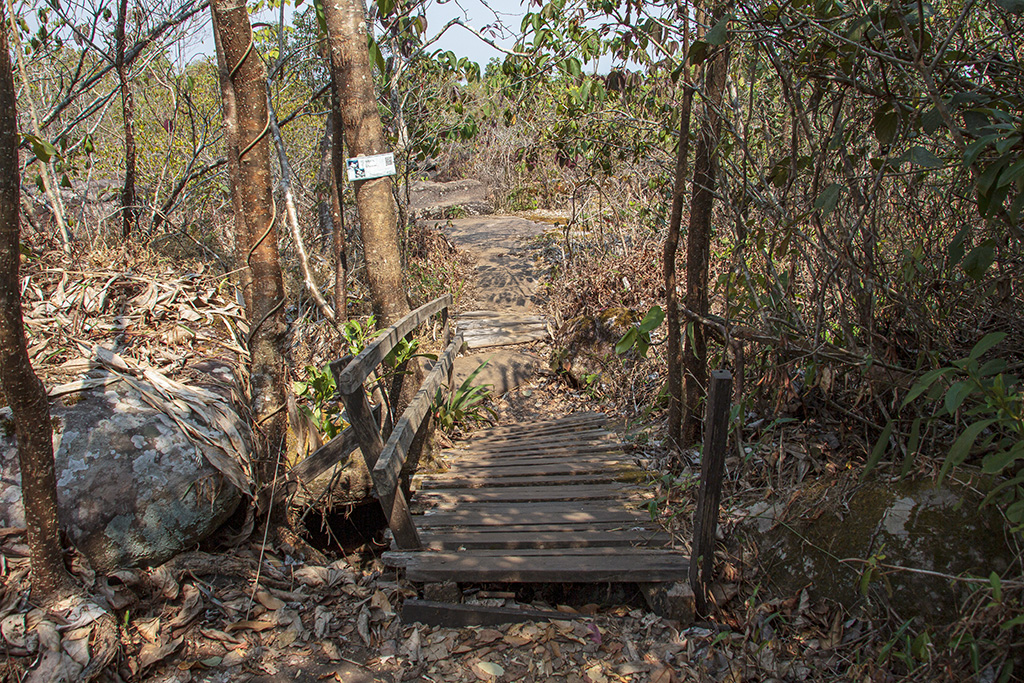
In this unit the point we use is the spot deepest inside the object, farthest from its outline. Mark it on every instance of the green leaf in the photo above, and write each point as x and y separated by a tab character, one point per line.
886	124
698	52
956	395
921	386
719	33
931	120
627	341
43	149
653	319
980	259
879	450
919	156
961	448
827	200
956	249
986	343
997	462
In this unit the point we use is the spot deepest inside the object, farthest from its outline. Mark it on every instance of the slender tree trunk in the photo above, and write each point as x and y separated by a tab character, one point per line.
675	375
378	219
129	205
248	126
51	194
22	388
339	236
324	181
698	243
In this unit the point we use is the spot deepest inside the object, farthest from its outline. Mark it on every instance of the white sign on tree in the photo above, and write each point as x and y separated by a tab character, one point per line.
366	167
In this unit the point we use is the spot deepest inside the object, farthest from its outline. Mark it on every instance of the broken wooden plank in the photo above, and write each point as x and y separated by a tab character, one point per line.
452	615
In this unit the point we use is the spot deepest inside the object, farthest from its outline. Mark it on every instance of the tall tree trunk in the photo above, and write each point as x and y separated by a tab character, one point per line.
675	376
340	235
247	124
378	219
129	206
19	384
698	242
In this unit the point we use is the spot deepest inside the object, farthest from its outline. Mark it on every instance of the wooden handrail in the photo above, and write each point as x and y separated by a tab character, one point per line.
356	372
388	469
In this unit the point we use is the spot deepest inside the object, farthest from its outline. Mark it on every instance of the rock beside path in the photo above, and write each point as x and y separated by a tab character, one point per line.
133	489
428	199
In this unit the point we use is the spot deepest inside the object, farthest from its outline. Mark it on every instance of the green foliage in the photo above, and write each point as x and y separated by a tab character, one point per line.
466	405
639	336
358	334
317	390
986	404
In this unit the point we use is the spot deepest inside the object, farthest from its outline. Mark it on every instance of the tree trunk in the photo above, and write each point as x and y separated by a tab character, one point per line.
22	388
129	207
334	157
246	120
698	242
378	219
675	376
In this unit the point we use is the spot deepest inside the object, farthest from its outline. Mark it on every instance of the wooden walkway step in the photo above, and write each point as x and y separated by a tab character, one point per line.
551	501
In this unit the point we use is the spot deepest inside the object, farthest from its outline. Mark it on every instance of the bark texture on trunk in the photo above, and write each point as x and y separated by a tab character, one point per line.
129	205
244	80
672	351
698	243
378	218
20	386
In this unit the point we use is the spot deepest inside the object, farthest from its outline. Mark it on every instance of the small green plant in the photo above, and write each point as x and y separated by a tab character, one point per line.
640	335
357	335
317	391
466	405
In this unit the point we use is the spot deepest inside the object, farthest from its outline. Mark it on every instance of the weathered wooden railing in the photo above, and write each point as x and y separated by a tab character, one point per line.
386	453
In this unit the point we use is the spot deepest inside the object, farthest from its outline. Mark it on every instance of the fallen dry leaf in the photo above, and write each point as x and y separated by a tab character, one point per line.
269	601
151	653
249	625
487	670
488	635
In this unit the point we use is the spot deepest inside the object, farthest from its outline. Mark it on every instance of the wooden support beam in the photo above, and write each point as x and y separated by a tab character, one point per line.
455	616
328	455
712	470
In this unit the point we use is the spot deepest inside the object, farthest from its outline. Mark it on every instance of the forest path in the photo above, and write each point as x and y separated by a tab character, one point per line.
503	303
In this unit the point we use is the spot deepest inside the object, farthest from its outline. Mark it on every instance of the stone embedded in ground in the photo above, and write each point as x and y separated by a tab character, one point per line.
454	199
132	488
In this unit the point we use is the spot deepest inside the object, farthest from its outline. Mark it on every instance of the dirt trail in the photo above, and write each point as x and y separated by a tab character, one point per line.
505	294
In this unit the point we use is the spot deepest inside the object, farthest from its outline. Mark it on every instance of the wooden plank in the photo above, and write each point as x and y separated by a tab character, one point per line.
499	323
470	460
501	338
641	523
328	455
484	315
510	494
532	426
539	470
513	516
512	453
485	482
552	568
456	616
510	540
356	372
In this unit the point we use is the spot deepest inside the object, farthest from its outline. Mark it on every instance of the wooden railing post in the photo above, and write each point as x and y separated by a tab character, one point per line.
712	469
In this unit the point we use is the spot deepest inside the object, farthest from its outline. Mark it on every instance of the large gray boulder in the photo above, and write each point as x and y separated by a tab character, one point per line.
133	487
823	537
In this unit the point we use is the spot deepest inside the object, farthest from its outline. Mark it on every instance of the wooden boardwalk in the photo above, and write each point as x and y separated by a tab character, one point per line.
551	501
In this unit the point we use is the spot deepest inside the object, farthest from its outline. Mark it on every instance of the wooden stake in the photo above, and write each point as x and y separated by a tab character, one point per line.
712	469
